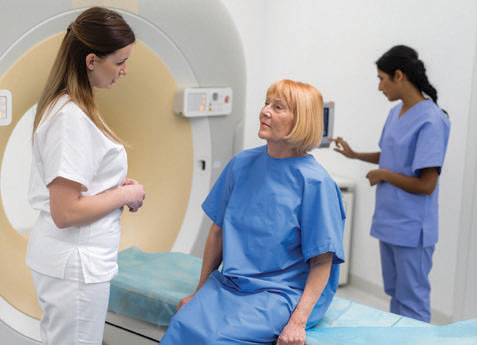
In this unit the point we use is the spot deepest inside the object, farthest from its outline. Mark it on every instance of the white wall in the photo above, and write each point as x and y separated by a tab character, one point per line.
333	45
466	277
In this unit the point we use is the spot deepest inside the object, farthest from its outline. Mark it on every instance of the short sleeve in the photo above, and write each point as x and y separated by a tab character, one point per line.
322	222
216	202
69	147
431	145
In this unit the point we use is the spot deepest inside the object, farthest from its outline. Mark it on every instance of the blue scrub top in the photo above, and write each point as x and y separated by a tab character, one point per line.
416	140
276	214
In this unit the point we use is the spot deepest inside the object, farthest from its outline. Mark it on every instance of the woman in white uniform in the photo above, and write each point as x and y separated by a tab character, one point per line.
78	182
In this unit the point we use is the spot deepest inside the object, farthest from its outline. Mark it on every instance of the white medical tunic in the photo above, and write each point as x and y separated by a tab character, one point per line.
67	144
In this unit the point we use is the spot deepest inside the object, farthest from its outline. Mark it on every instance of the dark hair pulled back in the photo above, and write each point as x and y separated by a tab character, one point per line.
406	60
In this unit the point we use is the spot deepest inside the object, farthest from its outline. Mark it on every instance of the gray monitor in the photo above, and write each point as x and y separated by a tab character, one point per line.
328	119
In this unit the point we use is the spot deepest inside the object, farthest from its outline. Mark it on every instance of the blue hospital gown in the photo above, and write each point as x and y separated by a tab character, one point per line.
276	214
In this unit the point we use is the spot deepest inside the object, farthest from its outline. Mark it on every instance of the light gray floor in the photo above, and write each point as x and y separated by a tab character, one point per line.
372	299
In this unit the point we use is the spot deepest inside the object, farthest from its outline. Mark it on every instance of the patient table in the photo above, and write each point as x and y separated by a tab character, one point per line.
148	288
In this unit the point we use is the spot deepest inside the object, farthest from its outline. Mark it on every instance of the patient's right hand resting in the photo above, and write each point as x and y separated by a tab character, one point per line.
184	301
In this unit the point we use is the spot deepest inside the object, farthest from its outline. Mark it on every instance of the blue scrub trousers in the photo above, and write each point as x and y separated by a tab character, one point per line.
406	279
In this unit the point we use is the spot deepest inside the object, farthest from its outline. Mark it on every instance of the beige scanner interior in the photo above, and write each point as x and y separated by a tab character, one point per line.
139	110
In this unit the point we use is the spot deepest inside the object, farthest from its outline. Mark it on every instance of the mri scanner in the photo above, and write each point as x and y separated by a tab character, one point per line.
180	45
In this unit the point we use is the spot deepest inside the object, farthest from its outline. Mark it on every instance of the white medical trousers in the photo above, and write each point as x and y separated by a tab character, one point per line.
73	312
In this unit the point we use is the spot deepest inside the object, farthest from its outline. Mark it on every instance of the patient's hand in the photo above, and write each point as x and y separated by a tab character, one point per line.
184	301
292	334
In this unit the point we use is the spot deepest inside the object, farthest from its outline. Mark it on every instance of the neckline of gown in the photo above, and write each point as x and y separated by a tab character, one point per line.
285	159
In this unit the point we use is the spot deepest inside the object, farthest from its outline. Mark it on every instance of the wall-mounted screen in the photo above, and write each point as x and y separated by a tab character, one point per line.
328	119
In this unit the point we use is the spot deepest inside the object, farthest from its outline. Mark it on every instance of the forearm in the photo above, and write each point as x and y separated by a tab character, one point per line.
343	147
425	184
84	210
320	267
212	254
369	157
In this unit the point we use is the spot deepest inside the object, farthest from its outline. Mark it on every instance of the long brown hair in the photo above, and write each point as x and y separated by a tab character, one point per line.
99	31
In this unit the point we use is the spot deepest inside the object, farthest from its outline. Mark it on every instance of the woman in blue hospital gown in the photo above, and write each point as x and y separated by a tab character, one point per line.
413	146
277	228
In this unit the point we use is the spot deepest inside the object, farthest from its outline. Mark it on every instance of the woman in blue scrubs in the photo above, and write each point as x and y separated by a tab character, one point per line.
413	146
277	229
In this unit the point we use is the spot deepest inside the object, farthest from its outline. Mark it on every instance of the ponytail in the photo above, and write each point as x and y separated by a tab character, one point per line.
406	59
416	73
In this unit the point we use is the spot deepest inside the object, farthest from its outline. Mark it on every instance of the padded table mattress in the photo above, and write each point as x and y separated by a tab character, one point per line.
149	287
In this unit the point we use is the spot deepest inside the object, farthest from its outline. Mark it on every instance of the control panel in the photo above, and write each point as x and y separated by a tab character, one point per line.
5	107
196	102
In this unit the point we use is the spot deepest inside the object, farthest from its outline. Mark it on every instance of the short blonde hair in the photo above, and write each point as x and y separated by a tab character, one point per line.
306	104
